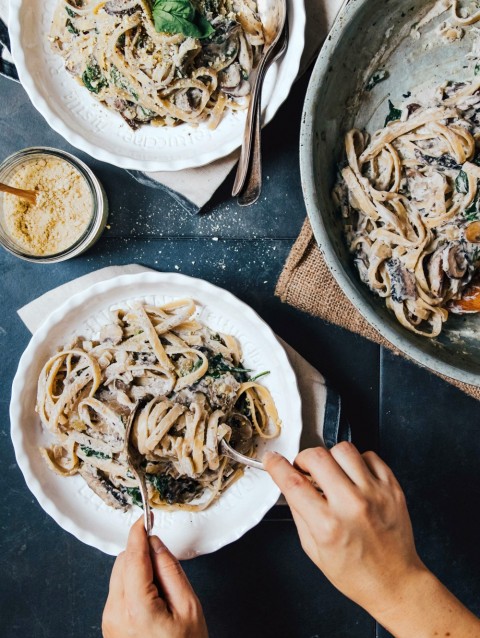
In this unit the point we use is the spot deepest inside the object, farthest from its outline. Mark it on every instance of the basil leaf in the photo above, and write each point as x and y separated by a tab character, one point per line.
477	69
177	8
394	114
180	16
461	182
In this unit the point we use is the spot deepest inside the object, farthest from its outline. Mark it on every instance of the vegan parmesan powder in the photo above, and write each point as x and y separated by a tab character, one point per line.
62	212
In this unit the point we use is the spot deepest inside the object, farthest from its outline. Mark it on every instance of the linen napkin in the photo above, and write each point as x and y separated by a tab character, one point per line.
306	274
193	188
323	421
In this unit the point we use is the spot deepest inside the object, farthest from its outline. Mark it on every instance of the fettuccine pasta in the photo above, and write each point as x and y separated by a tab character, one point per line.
115	51
191	389
410	201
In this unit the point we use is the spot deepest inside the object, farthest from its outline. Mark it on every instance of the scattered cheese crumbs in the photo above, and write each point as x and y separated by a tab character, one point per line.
61	214
214	238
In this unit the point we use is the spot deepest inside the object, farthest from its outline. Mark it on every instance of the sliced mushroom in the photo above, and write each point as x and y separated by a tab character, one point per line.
436	274
188	100
111	333
231	76
103	488
454	261
242	433
232	82
402	281
241	90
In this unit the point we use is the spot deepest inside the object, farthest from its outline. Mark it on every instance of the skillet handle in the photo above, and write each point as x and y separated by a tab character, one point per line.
335	425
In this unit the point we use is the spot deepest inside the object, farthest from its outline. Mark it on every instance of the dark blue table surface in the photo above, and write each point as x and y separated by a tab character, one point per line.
263	585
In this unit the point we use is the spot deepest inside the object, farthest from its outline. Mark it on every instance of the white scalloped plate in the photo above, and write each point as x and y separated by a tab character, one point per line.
71	111
69	501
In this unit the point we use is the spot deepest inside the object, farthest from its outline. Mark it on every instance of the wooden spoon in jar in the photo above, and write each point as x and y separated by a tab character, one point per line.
29	196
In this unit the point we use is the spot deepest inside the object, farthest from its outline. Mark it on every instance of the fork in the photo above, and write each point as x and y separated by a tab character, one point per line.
135	459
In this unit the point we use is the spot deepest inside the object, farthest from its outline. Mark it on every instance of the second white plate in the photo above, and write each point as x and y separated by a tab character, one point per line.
86	124
69	501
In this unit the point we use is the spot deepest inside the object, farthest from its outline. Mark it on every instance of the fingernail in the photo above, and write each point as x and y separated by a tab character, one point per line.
156	544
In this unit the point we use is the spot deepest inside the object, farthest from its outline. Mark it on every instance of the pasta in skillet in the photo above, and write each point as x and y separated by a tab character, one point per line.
157	67
409	197
191	390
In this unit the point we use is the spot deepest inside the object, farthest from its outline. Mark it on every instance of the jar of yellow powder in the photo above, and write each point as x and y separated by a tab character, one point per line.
70	212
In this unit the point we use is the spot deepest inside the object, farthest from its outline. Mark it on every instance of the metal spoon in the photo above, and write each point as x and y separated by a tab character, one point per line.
135	459
273	14
252	187
30	196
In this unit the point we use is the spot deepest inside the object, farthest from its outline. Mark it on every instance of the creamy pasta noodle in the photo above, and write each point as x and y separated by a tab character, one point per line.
191	390
409	197
161	62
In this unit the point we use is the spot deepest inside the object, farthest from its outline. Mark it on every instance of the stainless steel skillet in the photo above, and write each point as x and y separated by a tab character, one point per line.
372	37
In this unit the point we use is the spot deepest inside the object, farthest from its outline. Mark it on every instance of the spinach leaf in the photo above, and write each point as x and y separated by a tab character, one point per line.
180	16
217	367
119	80
88	451
71	13
93	79
174	490
377	77
393	115
476	71
71	28
258	376
471	214
461	182
135	495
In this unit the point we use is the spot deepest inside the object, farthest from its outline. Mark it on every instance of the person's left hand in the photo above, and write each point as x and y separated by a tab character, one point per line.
150	595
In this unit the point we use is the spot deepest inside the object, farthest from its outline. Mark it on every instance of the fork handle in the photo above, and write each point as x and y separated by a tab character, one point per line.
253	182
252	114
147	517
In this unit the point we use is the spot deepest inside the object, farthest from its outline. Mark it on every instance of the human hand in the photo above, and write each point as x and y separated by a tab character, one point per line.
358	532
150	595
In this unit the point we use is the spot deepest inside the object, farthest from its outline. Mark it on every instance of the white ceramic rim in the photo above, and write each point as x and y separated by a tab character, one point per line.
28	359
289	66
335	265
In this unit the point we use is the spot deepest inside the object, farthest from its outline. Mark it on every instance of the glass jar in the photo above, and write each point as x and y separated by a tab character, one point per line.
99	203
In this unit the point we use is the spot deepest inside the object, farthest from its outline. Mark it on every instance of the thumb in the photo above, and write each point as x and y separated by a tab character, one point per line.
170	576
138	572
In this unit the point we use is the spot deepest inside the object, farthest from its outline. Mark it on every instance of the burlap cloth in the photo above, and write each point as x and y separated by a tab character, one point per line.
306	274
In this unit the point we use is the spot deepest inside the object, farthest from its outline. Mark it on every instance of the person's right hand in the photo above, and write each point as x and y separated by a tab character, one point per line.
150	596
358	532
